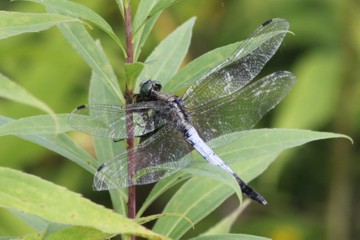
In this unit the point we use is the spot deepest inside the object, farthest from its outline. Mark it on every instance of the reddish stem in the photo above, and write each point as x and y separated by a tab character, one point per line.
129	120
129	37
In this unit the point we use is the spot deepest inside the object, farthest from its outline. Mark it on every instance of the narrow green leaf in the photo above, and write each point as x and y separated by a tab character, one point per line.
142	13
249	156
39	124
93	55
12	91
207	62
31	236
201	168
54	227
35	222
132	72
165	60
61	144
144	20
197	198
143	24
230	237
77	10
106	149
78	233
65	146
224	226
150	218
100	94
162	5
161	187
33	195
15	23
196	68
256	142
121	7
68	233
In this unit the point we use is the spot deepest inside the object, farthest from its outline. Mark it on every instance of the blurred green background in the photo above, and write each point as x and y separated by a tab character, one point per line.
312	190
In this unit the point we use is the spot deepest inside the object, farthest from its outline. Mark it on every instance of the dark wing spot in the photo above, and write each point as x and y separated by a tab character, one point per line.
267	22
81	107
100	167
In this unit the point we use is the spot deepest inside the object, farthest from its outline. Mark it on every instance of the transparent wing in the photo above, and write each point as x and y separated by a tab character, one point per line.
110	120
236	71
157	157
242	109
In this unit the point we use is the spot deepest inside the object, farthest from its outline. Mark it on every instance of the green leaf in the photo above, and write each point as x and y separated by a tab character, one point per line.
32	236
162	5
35	196
65	146
121	7
196	68
39	124
61	144
249	156
106	149
150	218
165	60
93	55
54	227
78	233
132	72
190	75
68	233
197	201
12	91
224	226
143	24
213	172
35	222
161	187
15	23
146	15
230	237
77	10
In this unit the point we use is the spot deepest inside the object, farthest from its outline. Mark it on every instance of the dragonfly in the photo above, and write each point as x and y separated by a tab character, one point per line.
221	102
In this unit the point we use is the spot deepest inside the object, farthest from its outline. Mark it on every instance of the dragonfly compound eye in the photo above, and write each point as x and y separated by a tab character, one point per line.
157	86
145	88
148	86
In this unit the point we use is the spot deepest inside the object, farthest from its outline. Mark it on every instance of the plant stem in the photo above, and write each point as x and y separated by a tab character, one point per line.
129	119
128	32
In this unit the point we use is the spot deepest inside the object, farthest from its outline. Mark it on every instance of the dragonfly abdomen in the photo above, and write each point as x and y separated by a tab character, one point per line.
193	138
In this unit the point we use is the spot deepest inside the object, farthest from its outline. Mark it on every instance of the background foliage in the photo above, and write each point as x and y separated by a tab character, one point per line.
311	190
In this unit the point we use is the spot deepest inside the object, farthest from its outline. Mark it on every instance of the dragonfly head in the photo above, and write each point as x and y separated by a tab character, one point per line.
148	86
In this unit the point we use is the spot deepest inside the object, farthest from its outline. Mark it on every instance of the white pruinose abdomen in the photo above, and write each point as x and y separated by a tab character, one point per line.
206	152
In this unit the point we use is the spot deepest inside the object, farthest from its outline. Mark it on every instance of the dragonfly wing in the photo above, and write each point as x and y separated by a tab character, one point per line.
242	109
159	156
245	63
110	120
